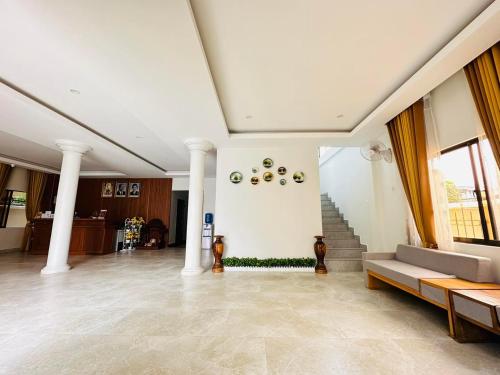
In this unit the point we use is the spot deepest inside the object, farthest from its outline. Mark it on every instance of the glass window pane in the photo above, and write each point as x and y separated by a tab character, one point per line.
483	196
463	206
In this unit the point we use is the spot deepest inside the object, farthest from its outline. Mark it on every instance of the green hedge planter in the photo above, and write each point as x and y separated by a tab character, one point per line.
269	262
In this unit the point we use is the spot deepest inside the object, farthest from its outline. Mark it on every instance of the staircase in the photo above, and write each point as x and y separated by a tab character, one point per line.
343	246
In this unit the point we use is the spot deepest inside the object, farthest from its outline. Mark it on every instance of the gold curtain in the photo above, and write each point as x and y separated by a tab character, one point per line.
407	132
5	170
483	75
36	186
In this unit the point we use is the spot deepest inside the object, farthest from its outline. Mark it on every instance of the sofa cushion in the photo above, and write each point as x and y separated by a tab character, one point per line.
464	266
403	273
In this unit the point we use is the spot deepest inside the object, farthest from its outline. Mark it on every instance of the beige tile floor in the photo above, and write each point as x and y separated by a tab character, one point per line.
135	314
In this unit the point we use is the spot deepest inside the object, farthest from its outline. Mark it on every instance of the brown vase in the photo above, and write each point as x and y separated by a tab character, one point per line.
320	251
218	250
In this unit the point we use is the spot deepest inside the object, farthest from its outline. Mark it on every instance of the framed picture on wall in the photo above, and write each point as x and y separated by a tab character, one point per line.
121	190
107	189
134	190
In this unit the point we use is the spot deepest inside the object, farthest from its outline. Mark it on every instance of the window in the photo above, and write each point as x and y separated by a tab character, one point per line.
467	178
12	205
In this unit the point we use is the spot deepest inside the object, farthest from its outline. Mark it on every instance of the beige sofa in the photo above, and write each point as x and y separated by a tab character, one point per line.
432	275
408	264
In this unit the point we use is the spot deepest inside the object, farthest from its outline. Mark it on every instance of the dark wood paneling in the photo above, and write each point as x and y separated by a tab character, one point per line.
153	203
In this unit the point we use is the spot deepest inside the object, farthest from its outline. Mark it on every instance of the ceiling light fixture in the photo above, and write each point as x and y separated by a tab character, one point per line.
74	91
340	115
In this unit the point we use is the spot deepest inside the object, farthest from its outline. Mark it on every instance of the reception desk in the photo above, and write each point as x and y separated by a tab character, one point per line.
88	236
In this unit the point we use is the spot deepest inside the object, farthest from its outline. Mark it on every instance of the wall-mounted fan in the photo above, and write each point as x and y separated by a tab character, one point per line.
375	151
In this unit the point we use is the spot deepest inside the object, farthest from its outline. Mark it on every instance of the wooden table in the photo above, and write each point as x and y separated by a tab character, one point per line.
447	285
88	236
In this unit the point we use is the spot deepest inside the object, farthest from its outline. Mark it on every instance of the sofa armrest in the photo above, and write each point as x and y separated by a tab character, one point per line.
378	255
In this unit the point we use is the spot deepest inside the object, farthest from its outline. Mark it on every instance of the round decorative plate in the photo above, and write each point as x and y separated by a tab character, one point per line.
268	176
255	170
282	181
298	177
235	177
281	171
254	180
267	163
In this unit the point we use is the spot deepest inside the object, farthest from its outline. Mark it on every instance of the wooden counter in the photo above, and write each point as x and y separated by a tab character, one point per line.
88	236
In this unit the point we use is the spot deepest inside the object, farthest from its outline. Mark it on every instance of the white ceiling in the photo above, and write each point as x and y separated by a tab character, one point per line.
145	83
319	65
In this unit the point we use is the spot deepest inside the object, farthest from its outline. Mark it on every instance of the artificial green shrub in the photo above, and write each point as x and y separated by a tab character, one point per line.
269	262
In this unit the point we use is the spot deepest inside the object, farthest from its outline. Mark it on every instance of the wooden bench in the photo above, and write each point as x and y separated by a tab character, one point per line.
435	291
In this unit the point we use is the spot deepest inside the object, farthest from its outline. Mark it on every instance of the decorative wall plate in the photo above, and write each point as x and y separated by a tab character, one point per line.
235	177
282	181
281	171
268	176
255	170
267	163
298	177
254	180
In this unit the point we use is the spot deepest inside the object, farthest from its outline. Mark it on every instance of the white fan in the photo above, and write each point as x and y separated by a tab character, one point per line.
375	151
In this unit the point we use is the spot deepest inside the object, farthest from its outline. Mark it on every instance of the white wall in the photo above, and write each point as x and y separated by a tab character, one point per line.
18	179
268	220
11	238
370	195
182	183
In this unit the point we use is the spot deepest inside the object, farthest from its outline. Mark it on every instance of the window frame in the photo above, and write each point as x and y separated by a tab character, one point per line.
477	191
4	212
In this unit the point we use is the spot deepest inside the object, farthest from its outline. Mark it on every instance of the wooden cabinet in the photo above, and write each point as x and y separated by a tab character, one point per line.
88	236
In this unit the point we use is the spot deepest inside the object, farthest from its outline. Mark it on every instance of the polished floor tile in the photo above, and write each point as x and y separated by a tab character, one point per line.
134	313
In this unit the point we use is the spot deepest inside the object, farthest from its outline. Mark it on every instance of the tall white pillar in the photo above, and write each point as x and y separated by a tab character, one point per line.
57	260
198	149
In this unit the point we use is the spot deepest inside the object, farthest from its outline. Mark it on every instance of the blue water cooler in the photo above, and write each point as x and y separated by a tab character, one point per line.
208	232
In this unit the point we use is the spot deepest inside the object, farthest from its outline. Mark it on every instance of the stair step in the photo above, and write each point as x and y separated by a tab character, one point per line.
344	265
344	253
342	243
333	220
330	214
338	235
329	209
327	227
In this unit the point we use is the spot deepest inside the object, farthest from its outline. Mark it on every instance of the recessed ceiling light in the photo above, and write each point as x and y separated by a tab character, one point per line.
249	117
74	91
340	115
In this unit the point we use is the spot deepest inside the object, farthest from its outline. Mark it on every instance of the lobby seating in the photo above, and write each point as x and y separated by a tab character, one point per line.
479	307
433	275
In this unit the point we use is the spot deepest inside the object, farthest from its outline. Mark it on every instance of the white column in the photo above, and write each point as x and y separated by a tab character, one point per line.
57	260
198	149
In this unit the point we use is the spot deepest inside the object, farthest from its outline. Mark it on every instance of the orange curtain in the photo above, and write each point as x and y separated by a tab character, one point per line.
36	187
483	76
407	132
5	170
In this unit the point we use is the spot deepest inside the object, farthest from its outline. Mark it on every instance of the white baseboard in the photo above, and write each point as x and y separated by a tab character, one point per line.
268	269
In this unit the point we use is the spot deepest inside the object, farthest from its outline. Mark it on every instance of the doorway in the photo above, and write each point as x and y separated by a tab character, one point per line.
178	218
